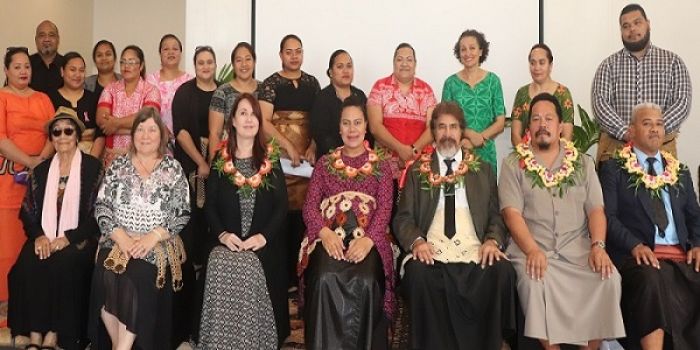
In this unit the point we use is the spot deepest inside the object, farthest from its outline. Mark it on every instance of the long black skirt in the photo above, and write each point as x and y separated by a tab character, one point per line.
460	306
343	303
52	294
667	298
133	298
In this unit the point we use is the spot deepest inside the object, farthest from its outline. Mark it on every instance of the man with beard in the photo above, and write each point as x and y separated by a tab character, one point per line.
640	72
460	288
552	204
46	62
654	238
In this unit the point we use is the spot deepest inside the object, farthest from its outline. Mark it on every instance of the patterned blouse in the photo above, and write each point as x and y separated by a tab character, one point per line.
120	104
167	91
370	199
521	106
138	205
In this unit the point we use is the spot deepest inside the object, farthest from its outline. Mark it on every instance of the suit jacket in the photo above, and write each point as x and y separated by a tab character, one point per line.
630	213
417	207
32	207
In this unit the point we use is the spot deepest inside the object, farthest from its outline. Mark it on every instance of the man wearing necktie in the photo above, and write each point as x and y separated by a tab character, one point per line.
654	240
459	286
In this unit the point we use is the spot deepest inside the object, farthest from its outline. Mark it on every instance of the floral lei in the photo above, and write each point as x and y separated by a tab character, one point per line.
337	167
248	185
559	180
627	159
430	180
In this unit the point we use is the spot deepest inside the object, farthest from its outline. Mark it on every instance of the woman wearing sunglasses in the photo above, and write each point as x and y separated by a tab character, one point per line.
49	283
23	113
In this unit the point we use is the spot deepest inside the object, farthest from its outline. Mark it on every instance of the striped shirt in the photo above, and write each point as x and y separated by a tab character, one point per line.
622	81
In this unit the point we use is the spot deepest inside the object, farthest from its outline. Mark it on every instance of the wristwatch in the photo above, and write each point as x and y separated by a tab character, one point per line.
598	243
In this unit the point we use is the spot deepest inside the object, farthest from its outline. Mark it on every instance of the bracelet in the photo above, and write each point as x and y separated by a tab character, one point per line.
598	243
414	149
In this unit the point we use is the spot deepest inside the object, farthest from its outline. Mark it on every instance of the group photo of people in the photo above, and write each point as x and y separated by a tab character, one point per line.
161	209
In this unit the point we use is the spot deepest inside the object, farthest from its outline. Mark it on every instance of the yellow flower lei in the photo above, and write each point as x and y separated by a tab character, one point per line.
627	159
543	177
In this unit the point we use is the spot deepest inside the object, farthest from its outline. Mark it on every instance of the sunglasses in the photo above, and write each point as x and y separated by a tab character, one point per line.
14	49
67	131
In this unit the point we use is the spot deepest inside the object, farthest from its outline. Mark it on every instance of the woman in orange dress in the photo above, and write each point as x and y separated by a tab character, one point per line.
23	145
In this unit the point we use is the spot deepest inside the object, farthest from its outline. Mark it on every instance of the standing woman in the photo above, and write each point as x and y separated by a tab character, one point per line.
325	114
243	61
121	100
479	93
73	95
141	207
347	257
286	101
50	282
190	123
246	208
169	77
23	144
540	59
399	109
105	57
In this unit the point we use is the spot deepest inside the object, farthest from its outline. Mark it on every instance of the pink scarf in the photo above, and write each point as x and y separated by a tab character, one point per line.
71	198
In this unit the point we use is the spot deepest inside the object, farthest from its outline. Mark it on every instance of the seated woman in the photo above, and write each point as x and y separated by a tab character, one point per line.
50	282
349	282
142	206
540	61
246	207
84	102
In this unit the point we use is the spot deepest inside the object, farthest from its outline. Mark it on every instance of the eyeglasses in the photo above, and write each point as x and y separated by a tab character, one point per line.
17	49
131	62
67	131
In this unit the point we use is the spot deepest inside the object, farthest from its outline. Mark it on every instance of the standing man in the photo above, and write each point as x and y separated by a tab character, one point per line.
640	72
459	285
46	62
654	237
552	203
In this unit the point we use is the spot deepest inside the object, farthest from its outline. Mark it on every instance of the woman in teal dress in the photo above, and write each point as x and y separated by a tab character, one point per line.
540	61
480	95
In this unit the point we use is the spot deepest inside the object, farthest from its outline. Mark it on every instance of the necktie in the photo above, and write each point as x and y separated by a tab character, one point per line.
660	218
449	189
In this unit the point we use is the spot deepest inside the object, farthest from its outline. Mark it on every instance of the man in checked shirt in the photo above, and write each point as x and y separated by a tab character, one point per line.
640	72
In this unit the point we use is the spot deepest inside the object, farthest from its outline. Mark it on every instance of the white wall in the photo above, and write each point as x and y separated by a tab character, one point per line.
72	17
582	34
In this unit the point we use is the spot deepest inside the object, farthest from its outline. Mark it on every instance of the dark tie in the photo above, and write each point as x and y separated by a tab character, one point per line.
660	218
449	189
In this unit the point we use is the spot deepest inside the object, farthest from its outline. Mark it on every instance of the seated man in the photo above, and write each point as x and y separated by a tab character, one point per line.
459	285
552	203
654	237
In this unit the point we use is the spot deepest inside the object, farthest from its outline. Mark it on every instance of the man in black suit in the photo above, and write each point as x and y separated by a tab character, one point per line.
654	238
459	285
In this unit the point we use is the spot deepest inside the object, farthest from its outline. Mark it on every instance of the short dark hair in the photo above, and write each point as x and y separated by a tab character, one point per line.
103	42
243	45
259	147
143	115
166	37
140	55
289	37
447	107
331	61
480	39
404	46
354	101
545	96
631	8
544	47
69	56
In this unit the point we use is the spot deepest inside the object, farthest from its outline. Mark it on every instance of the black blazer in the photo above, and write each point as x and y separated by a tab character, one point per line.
417	207
630	214
224	211
32	206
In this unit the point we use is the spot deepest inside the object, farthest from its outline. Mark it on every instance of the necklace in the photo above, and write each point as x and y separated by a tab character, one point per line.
558	180
247	185
627	159
337	167
62	182
143	166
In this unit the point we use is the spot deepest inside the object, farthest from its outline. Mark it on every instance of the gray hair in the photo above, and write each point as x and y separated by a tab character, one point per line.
642	106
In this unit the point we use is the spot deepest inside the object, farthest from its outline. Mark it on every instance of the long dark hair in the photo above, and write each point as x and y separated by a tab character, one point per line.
259	146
